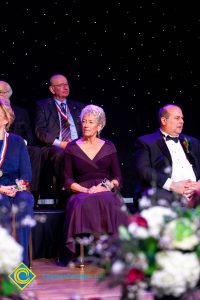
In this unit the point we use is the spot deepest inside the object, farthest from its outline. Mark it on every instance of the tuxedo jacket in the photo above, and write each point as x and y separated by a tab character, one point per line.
47	125
153	162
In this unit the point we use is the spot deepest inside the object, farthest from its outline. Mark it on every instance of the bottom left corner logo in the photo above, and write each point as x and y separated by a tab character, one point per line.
22	276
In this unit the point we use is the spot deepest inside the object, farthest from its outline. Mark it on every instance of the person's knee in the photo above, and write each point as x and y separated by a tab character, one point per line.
5	202
35	153
25	202
5	212
58	157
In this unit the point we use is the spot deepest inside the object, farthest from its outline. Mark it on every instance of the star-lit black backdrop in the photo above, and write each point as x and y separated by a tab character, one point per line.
131	58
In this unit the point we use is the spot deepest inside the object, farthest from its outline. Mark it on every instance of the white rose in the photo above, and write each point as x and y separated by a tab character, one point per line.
189	240
165	283
173	278
155	217
10	252
117	267
138	231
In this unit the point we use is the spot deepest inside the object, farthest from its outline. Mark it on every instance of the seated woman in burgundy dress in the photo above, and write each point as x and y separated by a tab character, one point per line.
92	208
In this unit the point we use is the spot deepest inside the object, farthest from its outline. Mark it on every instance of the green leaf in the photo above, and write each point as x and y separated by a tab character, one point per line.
188	214
197	211
123	233
182	230
150	269
8	288
149	245
197	251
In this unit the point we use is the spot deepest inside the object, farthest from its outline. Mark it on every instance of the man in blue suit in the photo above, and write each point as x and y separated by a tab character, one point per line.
50	114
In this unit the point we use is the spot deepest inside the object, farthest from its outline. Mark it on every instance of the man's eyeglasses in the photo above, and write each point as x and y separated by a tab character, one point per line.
61	85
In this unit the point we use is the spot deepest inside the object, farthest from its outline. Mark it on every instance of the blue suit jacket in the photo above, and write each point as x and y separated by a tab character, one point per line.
16	164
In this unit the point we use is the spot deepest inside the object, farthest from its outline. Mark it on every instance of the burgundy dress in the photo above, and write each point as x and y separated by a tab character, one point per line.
92	213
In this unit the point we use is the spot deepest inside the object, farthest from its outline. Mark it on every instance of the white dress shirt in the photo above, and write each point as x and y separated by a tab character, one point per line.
181	167
74	134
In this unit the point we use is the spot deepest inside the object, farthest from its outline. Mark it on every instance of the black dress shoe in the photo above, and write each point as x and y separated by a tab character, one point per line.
61	264
66	257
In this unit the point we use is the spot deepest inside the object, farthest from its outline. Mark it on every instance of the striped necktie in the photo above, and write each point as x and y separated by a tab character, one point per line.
65	127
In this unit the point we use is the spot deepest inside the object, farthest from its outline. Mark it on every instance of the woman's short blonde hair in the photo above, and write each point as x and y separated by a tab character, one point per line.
97	111
8	112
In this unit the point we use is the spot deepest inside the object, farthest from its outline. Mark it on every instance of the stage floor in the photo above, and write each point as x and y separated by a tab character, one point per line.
64	283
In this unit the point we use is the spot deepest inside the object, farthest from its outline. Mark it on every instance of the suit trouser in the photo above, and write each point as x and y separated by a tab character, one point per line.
24	202
55	157
35	158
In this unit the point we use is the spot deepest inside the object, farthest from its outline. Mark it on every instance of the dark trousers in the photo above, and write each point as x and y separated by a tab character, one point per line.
35	158
53	168
24	202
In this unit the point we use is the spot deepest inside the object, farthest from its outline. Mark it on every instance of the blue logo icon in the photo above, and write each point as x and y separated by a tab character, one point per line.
22	276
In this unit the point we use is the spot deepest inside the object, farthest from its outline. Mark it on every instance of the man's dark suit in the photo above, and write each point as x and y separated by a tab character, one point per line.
47	129
153	162
47	125
22	126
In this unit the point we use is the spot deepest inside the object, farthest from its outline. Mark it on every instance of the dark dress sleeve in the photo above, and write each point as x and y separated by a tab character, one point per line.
115	167
68	168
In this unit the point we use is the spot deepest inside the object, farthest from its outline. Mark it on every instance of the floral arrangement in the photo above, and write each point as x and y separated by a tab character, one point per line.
159	251
10	257
21	185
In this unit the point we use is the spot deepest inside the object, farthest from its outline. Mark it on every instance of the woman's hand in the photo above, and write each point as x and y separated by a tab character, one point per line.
8	190
115	183
97	189
104	186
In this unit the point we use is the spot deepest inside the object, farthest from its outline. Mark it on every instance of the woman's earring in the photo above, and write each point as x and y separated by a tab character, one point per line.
98	134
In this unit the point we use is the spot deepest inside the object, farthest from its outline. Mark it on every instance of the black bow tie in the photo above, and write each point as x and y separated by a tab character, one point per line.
175	139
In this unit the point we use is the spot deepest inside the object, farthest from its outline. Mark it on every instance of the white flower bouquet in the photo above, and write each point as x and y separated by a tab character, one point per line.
159	251
10	257
21	185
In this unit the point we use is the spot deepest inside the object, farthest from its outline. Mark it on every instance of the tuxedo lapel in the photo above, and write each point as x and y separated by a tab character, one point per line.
183	143
186	148
75	112
53	111
189	154
162	145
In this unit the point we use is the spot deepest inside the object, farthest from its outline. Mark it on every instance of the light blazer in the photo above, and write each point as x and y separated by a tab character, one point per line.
152	159
47	125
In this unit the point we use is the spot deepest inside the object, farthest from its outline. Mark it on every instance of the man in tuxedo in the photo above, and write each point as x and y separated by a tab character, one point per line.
57	123
167	159
22	126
